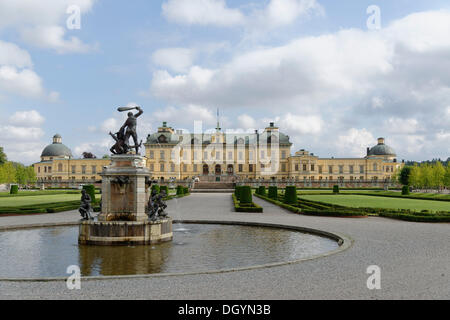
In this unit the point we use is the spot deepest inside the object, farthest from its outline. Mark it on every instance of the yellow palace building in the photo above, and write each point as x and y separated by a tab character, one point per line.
220	157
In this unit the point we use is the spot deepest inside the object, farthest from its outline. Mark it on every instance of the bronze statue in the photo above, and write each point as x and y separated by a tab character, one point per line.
156	206
130	126
85	207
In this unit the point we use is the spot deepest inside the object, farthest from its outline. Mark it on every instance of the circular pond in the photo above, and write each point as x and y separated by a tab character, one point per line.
47	252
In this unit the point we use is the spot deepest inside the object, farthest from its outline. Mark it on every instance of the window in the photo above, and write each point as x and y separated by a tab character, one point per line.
94	169
341	169
241	168
283	167
195	155
60	167
361	169
195	168
304	167
320	169
39	169
230	155
185	168
283	154
296	167
250	155
351	169
172	167
74	168
152	167
330	169
162	155
83	169
161	167
49	169
152	154
375	167
250	167
312	167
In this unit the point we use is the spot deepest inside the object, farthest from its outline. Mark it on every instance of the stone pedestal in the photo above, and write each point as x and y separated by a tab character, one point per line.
123	219
125	233
124	193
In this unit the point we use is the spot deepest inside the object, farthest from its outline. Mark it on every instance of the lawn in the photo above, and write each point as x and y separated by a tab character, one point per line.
358	201
18	201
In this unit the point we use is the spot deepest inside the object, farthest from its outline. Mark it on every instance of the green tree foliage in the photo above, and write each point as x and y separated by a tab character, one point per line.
405	175
430	175
7	173
3	157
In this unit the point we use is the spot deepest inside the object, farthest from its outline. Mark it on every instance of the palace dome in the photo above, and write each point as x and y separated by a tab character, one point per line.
56	149
381	149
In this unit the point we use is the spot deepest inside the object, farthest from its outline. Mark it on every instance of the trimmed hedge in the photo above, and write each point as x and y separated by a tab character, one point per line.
165	189
245	195
273	193
261	190
405	190
237	192
180	190
335	189
14	189
42	208
290	195
245	207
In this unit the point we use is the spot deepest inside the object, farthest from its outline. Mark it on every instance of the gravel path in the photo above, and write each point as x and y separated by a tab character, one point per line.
414	259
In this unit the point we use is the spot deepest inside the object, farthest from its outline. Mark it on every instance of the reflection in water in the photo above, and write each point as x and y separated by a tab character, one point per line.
48	252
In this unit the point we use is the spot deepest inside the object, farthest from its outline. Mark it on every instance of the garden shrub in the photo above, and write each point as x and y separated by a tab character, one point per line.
335	189
237	192
273	193
14	189
405	190
156	188
262	190
245	194
165	189
290	196
180	190
185	190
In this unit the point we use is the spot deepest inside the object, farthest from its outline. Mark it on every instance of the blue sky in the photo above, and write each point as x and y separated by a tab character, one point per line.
311	66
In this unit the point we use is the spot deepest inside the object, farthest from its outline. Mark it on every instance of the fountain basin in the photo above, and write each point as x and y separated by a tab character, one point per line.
108	233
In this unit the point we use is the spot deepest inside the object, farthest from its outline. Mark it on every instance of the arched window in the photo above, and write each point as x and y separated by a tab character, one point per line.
60	167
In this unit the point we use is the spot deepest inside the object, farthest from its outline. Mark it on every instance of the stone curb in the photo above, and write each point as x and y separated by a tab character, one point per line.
344	242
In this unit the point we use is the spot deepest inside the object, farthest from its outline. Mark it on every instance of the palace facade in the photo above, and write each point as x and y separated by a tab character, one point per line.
225	157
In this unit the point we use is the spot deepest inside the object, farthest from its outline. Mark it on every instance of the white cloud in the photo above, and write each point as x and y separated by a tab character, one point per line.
354	142
247	122
185	116
302	124
202	12
12	55
176	59
42	23
402	126
276	13
52	37
284	12
21	136
21	82
27	119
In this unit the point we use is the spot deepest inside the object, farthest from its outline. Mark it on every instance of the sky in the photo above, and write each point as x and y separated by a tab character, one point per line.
330	74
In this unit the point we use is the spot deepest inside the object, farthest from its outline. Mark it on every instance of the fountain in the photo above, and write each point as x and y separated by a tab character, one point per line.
125	217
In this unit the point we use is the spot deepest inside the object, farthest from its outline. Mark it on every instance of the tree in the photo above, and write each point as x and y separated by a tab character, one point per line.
7	173
105	156
447	176
438	175
89	155
3	157
405	175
